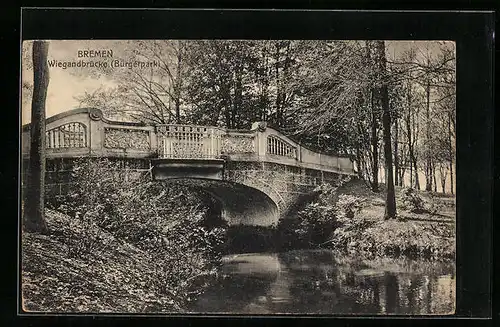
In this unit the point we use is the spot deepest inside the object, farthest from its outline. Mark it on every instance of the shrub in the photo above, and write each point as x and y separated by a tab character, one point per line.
348	205
349	234
165	221
316	223
412	201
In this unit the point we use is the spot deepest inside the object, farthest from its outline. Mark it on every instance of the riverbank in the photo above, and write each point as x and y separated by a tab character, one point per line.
424	226
115	276
350	218
124	246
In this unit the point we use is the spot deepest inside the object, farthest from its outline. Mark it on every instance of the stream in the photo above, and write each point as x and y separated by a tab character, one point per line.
325	282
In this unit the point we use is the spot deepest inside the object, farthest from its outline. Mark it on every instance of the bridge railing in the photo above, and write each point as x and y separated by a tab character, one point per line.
188	142
86	132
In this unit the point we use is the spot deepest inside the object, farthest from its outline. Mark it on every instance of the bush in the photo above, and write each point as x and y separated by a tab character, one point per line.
314	223
166	221
348	205
412	201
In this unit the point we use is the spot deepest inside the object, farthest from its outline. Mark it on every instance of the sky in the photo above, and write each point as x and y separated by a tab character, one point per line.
64	85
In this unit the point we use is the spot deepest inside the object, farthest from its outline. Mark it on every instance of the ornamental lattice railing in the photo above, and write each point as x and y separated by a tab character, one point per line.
188	142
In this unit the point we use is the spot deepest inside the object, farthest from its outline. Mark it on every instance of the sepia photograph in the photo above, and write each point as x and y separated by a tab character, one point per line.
238	177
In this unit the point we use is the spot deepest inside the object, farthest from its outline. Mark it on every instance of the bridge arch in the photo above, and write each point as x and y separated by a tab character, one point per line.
240	204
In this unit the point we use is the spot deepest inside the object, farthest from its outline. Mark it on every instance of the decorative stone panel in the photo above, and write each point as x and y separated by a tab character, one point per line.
238	144
121	138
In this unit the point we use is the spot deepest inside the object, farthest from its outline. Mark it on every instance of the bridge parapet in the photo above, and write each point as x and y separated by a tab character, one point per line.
85	131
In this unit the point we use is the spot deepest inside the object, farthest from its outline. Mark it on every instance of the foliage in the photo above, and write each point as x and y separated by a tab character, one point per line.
115	277
314	223
348	205
412	201
165	221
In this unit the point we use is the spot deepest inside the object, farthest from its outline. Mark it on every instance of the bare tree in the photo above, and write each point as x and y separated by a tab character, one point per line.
390	203
34	208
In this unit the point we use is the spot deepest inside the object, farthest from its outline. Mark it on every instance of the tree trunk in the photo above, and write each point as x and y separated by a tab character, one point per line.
278	85
374	141
434	176
451	177
358	159
34	215
374	127
390	203
413	156
396	157
428	166
450	148
417	179
238	92
442	173
178	84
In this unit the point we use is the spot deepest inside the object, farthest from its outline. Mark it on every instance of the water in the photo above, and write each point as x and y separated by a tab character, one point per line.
322	282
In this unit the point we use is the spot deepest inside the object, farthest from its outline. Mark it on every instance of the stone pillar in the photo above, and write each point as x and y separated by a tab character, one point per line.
153	140
96	132
261	138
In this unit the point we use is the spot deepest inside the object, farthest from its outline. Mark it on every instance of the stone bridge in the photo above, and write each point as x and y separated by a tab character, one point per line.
257	174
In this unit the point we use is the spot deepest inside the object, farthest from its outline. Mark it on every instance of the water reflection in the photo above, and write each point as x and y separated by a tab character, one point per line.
320	282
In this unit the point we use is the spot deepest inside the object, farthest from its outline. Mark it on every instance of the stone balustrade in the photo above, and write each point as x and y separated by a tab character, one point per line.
85	131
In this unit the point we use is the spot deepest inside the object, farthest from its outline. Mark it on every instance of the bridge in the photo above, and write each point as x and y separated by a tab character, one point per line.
257	175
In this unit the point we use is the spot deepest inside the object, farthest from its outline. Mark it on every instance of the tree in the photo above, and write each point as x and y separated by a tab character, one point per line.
390	202
153	94
34	208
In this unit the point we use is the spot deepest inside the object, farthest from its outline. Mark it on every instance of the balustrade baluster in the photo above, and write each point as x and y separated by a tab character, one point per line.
66	135
212	143
78	135
166	146
85	143
183	142
187	136
192	142
170	144
73	135
69	132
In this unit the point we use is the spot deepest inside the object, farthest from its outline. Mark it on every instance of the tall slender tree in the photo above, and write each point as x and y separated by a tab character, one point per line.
390	203
34	220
